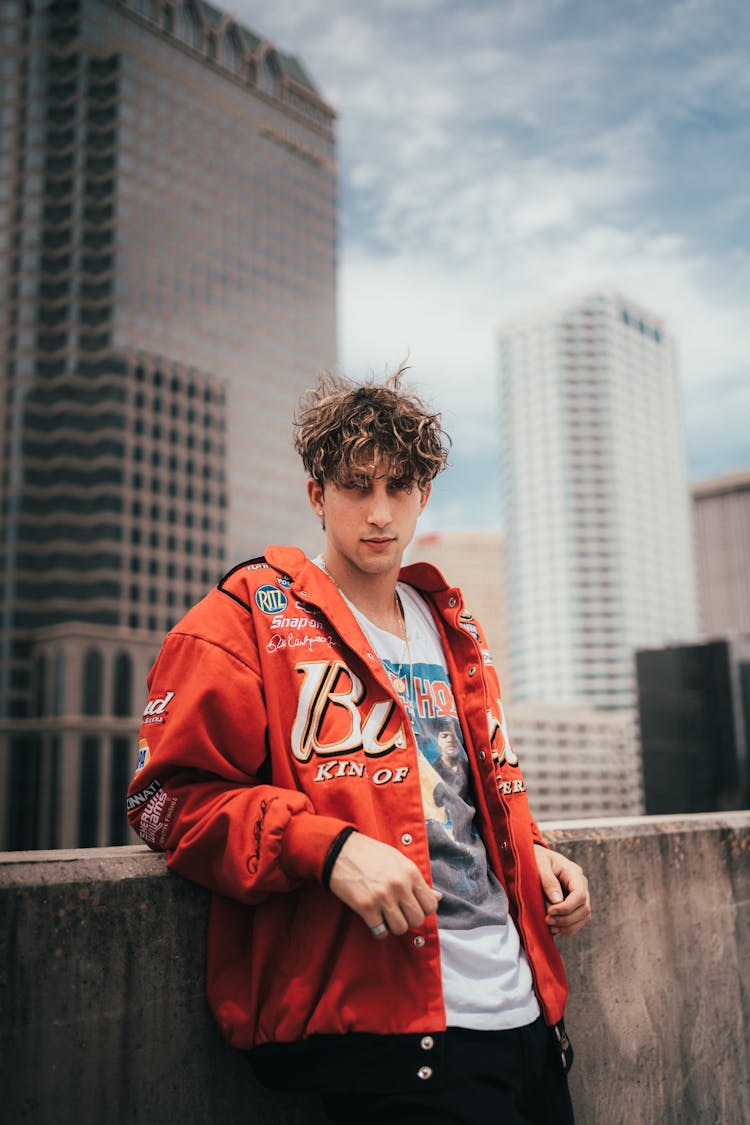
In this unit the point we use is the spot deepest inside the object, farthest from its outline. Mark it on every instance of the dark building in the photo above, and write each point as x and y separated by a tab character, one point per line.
167	234
694	703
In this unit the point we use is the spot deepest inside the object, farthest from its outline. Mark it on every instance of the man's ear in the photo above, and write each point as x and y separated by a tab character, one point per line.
425	497
315	495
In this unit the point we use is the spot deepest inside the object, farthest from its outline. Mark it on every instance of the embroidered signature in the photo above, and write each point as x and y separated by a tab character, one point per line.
276	641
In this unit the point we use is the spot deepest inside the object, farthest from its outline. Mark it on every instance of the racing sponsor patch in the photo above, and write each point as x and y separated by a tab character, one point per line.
269	599
155	817
143	755
155	710
135	800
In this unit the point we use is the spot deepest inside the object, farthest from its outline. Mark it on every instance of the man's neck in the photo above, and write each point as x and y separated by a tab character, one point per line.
374	595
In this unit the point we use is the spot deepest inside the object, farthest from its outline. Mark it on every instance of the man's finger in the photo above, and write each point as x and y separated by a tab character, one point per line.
395	920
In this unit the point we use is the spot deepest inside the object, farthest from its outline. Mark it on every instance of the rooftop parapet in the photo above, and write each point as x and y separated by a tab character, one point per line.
104	1016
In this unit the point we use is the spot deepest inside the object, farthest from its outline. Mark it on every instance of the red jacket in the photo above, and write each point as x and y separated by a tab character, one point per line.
270	727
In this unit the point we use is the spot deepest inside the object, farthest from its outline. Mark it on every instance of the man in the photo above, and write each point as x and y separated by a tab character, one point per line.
286	763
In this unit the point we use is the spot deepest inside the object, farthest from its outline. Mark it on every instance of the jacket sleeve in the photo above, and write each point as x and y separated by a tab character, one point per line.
198	793
536	833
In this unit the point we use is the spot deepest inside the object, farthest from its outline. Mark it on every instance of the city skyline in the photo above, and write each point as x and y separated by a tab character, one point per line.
496	156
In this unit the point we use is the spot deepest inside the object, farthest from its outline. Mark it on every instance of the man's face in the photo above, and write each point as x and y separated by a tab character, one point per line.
448	745
368	528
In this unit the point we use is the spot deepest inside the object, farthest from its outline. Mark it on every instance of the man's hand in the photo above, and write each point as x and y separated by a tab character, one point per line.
381	885
566	889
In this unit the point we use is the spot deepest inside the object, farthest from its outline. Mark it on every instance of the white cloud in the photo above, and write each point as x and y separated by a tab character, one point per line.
495	155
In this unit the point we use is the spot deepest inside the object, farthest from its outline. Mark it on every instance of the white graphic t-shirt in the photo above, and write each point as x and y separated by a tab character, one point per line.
487	982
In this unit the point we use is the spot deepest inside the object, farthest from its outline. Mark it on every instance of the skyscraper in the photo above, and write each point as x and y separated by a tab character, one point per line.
596	508
721	517
167	207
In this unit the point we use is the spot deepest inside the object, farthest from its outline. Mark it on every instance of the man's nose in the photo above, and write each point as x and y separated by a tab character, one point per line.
379	510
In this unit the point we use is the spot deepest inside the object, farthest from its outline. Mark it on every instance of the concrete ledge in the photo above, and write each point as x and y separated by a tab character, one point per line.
104	1017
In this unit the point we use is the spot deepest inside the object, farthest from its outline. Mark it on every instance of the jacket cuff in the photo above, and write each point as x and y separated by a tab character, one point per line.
536	835
307	839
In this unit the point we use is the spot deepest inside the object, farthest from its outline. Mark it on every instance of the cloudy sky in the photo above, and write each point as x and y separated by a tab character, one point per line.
495	154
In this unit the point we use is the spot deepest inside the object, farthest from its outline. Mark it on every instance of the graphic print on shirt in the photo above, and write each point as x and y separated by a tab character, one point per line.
459	862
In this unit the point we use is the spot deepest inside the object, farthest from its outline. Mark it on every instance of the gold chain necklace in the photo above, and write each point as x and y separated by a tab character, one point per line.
402	679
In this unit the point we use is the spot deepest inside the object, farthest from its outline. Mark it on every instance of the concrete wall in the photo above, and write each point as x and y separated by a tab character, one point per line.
104	1018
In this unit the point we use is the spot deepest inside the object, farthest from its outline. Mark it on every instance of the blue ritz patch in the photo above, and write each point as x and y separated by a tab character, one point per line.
269	599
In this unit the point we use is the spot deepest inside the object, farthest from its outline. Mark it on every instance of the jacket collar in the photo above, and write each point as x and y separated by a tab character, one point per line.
306	575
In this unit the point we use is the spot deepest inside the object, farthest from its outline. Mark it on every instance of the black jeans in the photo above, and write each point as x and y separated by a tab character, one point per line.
490	1078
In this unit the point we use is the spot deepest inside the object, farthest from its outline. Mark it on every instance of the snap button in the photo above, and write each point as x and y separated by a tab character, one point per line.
407	838
303	593
504	846
472	670
370	656
419	941
424	1072
482	755
451	602
427	1043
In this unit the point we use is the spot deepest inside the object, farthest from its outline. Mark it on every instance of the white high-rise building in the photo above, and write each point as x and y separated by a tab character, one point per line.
596	506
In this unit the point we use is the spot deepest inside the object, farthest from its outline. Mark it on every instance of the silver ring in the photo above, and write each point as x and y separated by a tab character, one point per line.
377	931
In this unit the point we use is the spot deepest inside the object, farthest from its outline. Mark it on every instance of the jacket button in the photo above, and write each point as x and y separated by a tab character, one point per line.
427	1043
303	593
407	838
482	755
419	941
424	1072
451	602
370	656
472	670
504	846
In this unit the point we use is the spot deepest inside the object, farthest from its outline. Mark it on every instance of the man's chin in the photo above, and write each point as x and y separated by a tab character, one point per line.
380	561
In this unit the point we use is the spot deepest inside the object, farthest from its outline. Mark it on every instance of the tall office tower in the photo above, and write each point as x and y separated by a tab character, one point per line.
167	210
721	519
473	559
598	546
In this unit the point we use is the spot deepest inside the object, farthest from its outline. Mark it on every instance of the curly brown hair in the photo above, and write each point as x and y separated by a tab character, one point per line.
345	428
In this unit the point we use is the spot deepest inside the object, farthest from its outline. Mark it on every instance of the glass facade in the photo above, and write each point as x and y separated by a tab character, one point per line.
167	213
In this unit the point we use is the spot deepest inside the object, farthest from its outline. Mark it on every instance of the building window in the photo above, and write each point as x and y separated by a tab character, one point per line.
268	79
122	689
40	676
88	791
58	684
230	52
120	774
93	674
188	27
